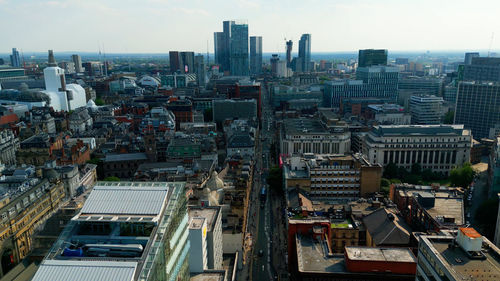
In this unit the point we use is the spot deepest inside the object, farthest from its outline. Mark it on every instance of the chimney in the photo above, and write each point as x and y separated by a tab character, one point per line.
52	60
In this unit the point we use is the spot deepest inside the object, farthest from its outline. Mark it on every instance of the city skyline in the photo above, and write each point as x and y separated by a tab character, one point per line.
342	25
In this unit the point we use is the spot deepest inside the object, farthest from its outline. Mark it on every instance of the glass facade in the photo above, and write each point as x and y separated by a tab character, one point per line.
370	57
255	55
305	51
239	49
169	255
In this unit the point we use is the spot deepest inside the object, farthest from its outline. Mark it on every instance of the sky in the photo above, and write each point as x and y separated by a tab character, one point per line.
159	26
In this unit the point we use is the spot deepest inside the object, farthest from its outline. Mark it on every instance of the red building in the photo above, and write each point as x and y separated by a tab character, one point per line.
382	260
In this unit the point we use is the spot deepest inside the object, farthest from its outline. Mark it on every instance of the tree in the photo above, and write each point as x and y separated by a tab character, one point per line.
484	218
391	171
462	176
275	179
207	115
448	117
99	101
385	186
112	179
416	169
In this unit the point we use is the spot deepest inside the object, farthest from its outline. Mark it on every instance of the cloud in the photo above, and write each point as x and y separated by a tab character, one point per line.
188	11
249	4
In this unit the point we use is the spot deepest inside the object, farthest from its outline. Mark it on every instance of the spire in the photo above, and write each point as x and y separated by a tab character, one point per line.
52	60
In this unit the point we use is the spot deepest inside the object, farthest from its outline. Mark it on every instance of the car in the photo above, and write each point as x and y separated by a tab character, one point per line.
261	253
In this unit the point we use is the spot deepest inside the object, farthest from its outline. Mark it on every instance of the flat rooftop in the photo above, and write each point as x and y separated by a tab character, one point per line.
196	223
380	254
461	266
304	126
419	130
210	214
312	256
66	270
113	200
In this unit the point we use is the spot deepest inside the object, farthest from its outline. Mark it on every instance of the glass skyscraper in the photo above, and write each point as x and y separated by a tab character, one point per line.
478	107
15	60
238	45
305	52
255	55
370	57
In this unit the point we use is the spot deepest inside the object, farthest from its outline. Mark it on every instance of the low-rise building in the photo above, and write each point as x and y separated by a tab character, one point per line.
430	208
26	202
9	144
460	255
125	231
436	147
388	114
326	177
303	135
234	109
426	109
123	165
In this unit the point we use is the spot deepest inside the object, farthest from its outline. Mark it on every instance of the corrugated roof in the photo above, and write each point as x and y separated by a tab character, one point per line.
63	270
126	199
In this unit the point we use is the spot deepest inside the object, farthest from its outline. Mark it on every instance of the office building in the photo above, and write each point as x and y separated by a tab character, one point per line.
289	46
187	62
402	61
456	256
314	260
221	51
69	67
478	107
305	52
282	95
26	202
423	85
436	147
234	109
426	109
15	59
12	74
301	135
77	60
379	82
199	65
325	177
222	46
125	231
255	54
238	43
175	62
388	114
371	57
469	56
483	70
429	208
209	252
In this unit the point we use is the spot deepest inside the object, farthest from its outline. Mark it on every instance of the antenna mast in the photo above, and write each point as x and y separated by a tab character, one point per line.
491	42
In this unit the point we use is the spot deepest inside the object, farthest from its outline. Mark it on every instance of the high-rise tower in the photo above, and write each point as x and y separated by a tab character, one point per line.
255	55
289	45
305	52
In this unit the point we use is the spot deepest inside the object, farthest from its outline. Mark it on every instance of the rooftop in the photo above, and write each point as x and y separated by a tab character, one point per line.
125	199
67	270
125	157
312	256
210	214
460	265
303	126
196	223
419	130
380	254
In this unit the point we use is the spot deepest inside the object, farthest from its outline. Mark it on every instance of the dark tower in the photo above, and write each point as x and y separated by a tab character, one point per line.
289	45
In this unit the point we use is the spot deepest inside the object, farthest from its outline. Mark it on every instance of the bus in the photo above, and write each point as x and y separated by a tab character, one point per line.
263	194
